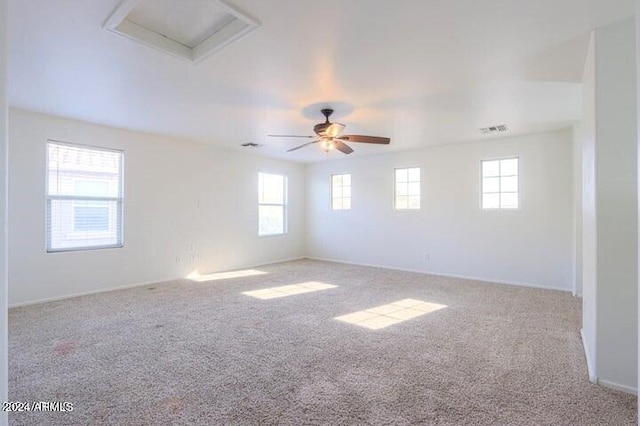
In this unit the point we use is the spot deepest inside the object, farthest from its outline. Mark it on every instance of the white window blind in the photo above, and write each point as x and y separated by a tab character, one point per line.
500	184
272	204
407	188
84	197
341	192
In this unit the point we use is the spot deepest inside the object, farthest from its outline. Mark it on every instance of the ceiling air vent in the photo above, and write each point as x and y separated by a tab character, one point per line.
251	145
188	29
494	129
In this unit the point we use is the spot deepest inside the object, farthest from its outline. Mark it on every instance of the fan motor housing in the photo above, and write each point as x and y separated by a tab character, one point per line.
321	128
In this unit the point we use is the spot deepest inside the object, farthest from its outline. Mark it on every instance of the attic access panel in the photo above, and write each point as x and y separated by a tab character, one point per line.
188	29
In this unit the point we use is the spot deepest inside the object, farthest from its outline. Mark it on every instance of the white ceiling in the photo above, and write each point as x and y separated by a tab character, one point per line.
423	72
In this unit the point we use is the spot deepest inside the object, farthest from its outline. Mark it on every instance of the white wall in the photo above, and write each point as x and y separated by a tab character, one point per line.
589	226
610	200
638	147
4	376
578	137
616	195
532	245
187	207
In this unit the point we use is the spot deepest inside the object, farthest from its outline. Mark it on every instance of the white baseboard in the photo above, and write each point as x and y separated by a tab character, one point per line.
593	378
89	293
291	259
618	387
441	274
129	286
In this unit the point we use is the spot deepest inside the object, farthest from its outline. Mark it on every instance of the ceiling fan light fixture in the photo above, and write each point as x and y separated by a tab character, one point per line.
328	136
333	130
327	145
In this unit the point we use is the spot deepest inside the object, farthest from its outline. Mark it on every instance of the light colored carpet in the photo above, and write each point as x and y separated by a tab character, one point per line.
203	353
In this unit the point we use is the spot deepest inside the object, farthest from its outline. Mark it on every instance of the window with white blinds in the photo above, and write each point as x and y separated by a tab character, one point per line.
84	197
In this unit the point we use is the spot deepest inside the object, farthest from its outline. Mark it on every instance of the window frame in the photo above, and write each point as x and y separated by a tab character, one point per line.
342	197
284	205
395	189
49	198
499	208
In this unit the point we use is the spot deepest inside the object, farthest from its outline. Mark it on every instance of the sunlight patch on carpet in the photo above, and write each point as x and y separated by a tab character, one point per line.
393	313
195	276
288	290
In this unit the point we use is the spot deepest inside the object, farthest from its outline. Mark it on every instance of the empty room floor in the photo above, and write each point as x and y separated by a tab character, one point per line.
309	342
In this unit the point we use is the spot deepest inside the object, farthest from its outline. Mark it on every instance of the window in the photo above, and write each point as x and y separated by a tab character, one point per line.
407	189
84	197
341	192
272	204
94	216
500	184
91	218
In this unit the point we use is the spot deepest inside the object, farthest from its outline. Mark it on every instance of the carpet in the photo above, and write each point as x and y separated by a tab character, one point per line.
203	353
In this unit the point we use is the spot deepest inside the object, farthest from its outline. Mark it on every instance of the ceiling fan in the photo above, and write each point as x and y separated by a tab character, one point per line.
328	134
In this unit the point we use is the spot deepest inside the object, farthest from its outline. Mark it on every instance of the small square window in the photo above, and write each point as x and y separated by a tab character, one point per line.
500	184
341	192
272	204
407	189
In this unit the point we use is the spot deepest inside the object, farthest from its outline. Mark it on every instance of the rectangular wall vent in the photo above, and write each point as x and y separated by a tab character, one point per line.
188	29
494	129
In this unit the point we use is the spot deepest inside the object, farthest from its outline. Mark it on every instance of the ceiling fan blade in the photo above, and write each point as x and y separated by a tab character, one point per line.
365	139
302	146
289	136
342	147
334	130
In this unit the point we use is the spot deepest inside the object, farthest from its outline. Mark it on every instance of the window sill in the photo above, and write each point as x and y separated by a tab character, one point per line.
273	235
92	248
